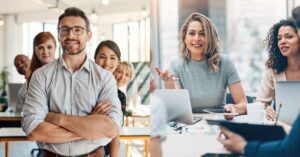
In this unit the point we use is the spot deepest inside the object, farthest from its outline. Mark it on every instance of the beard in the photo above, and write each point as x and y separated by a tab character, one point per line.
67	51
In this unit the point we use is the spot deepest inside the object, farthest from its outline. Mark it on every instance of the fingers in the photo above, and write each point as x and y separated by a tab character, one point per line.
102	108
270	113
229	108
223	136
229	117
226	132
157	70
164	75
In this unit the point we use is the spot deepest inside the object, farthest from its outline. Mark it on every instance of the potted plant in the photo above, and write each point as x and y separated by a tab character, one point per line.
3	84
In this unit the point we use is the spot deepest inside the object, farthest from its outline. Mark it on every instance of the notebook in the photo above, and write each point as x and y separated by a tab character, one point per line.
252	131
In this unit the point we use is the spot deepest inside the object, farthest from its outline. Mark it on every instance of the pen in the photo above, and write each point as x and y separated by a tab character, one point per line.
277	116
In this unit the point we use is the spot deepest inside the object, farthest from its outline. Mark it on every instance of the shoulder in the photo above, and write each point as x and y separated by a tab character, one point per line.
226	63
177	62
98	70
99	74
225	60
271	74
46	70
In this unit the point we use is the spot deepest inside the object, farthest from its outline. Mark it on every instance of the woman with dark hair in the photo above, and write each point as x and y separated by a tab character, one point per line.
288	146
108	56
202	70
282	44
44	45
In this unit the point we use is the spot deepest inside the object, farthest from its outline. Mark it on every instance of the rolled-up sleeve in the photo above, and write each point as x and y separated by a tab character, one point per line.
35	108
109	92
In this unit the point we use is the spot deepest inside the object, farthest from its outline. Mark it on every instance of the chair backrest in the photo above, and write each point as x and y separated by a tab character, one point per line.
229	99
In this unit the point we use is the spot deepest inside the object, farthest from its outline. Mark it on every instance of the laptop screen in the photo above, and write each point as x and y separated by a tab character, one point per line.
13	98
287	94
178	104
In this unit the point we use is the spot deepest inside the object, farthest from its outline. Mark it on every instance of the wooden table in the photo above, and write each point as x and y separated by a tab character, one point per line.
11	134
127	133
136	133
10	119
132	119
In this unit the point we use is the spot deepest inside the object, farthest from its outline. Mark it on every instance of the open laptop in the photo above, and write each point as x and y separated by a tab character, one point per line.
178	104
287	93
13	97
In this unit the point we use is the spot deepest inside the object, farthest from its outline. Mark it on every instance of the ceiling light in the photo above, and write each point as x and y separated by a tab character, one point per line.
1	21
94	16
144	12
105	2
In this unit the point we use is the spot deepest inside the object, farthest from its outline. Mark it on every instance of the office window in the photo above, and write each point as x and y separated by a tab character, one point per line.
133	39
31	29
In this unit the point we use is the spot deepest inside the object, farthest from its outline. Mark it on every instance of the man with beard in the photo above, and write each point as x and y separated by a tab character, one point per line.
65	99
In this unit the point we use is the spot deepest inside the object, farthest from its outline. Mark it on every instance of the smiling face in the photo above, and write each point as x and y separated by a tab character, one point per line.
107	59
288	41
73	35
195	40
123	75
45	52
21	63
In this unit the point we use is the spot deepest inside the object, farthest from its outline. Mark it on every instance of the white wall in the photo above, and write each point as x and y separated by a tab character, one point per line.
1	47
10	46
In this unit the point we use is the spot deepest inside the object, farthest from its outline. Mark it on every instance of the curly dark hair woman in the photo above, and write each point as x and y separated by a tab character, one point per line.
276	60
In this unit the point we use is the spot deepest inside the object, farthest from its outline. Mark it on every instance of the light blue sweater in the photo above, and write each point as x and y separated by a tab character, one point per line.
206	89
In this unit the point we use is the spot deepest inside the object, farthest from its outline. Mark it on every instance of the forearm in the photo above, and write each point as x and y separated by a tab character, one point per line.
88	127
241	107
114	146
155	147
51	133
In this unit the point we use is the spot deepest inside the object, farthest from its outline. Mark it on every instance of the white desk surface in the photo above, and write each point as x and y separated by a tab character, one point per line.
7	114
126	131
198	140
12	132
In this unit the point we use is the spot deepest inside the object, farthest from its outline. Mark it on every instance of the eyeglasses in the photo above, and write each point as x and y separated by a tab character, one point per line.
76	30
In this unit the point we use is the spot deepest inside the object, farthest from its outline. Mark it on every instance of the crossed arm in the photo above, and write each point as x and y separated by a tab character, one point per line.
53	127
61	128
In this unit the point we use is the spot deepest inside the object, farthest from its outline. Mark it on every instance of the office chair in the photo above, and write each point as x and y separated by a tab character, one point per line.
229	99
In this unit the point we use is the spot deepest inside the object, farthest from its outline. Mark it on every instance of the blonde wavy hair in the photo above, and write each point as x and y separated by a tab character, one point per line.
213	45
125	66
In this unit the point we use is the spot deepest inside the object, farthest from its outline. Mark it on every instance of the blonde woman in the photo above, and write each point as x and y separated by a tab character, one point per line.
123	74
202	70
